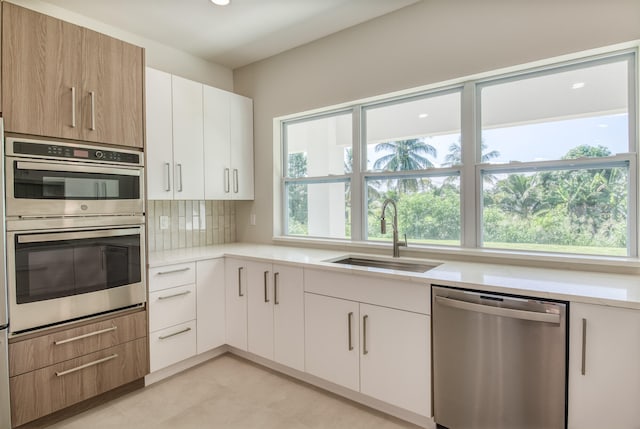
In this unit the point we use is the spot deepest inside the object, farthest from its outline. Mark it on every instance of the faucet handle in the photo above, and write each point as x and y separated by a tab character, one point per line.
403	243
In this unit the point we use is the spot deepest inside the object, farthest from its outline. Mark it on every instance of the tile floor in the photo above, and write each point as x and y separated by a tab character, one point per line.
230	392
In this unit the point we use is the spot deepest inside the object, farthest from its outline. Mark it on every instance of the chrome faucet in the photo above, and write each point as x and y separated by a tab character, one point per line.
383	227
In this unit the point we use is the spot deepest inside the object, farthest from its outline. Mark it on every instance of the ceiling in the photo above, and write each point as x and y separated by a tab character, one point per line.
241	33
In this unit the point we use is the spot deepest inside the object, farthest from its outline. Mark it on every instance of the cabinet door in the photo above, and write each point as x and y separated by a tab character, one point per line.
112	91
288	316
331	339
608	393
395	357
241	119
187	139
210	304
159	135
217	156
260	309
41	74
235	273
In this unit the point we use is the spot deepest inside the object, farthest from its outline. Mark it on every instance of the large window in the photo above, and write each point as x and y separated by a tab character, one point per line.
540	160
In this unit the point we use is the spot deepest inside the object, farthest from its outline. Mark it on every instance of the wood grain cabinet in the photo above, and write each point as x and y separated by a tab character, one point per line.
65	81
53	371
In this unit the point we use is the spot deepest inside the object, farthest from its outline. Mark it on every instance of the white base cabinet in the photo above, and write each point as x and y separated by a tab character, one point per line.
381	352
210	308
607	395
235	273
275	316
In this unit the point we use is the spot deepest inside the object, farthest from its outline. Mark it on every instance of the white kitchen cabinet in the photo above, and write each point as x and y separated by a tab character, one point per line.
228	145
276	313
241	110
172	314
608	393
210	310
332	342
395	356
235	273
381	352
188	168
159	135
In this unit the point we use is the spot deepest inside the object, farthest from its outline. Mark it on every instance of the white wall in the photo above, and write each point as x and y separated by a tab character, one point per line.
158	56
431	41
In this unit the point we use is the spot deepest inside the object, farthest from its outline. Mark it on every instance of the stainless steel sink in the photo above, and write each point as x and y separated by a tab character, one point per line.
390	265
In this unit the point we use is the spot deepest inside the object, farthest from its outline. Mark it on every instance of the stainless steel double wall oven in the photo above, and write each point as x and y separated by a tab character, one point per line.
75	231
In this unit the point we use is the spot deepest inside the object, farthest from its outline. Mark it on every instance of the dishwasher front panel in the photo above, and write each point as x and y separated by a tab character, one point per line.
499	362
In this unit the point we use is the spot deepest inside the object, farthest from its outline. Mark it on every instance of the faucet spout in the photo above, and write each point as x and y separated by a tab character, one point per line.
383	227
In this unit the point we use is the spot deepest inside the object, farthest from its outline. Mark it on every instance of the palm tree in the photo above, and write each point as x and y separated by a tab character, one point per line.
405	155
454	157
520	194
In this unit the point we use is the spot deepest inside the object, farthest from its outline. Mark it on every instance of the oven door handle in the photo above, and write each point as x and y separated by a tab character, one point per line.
76	235
44	166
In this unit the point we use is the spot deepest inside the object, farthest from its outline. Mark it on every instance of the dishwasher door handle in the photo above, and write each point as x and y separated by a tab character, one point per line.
533	316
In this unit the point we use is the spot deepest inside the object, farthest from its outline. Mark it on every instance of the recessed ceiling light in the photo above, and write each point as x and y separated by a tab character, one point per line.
603	125
577	85
423	115
221	2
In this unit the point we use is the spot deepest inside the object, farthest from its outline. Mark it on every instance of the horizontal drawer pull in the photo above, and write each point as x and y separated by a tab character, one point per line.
86	365
164	337
90	334
178	270
186	292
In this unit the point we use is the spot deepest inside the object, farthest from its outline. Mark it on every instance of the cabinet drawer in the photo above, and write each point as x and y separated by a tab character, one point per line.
172	345
169	307
46	350
41	392
171	276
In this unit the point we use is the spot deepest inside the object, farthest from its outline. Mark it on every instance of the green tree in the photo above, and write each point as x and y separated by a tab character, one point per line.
297	194
405	155
520	194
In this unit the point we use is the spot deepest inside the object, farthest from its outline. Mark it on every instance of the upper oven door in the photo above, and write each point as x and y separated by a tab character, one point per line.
58	188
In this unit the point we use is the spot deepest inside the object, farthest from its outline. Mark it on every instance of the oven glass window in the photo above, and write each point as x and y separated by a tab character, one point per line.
72	185
48	268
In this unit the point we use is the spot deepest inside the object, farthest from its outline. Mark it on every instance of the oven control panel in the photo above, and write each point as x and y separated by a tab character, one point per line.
80	153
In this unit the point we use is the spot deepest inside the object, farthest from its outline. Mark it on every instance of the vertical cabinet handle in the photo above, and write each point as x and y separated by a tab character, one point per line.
276	277
104	190
97	186
266	286
167	168
583	368
73	107
92	94
179	166
240	281
235	180
349	323
364	334
226	180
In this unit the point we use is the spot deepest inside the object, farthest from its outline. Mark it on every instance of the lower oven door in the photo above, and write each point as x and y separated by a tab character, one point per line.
59	275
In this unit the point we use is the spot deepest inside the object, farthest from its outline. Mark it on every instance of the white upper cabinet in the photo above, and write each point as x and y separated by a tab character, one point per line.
188	166
199	141
241	147
228	145
159	135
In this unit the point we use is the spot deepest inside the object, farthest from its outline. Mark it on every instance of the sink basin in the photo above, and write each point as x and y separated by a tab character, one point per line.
390	265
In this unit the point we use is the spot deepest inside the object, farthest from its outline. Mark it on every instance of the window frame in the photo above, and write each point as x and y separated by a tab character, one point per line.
471	169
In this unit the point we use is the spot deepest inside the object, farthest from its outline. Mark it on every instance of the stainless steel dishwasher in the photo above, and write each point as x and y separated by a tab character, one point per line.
499	362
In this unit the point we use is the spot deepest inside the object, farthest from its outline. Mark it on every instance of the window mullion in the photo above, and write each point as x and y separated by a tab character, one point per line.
357	232
469	189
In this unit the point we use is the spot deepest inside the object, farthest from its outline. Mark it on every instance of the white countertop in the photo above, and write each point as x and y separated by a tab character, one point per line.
577	286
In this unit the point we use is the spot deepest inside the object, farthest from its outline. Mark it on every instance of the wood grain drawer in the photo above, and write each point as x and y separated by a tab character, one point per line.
40	352
172	345
41	392
171	276
169	307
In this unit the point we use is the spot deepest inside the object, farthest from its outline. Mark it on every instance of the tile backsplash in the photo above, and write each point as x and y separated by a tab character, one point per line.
179	224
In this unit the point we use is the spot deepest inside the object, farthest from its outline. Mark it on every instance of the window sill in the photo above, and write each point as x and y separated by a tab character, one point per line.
626	265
